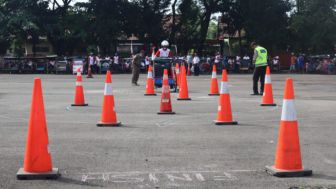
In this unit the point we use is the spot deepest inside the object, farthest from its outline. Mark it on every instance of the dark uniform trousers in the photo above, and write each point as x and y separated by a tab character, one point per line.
135	73
259	74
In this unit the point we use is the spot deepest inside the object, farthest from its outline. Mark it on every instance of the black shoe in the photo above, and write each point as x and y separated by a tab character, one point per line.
261	94
255	94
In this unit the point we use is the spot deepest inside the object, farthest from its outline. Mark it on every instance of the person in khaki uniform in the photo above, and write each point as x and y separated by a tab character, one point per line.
136	64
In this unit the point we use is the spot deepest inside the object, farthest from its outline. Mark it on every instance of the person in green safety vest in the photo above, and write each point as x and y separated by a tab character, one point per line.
260	64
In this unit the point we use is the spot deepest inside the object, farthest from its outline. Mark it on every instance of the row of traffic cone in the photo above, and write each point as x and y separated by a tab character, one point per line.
288	162
38	162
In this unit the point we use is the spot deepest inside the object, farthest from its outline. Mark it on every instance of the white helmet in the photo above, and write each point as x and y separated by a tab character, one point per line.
164	43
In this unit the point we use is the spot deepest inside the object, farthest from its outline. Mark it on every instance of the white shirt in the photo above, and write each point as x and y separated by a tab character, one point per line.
196	60
147	60
217	58
116	59
91	60
164	53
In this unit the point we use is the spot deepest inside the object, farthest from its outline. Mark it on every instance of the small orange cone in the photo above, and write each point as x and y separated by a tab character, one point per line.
165	106
109	116
267	99
177	71
183	91
224	115
37	161
79	94
288	154
189	70
89	75
150	83
214	82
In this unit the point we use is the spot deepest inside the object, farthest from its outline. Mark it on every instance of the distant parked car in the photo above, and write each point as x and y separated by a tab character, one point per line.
78	63
62	65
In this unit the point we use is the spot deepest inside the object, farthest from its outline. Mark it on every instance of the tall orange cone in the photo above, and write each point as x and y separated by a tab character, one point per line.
165	106
224	115
189	69
150	83
214	82
183	91
89	75
37	160
79	94
288	161
267	99
109	116
177	71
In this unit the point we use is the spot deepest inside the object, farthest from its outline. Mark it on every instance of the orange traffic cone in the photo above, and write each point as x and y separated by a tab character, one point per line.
183	91
109	116
150	83
214	82
288	154
37	161
79	94
177	71
224	115
165	107
267	99
89	75
189	70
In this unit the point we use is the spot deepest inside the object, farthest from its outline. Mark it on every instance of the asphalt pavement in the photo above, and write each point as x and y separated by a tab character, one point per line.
185	150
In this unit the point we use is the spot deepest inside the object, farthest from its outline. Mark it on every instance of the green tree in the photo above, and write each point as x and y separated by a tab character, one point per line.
266	22
313	26
208	7
188	26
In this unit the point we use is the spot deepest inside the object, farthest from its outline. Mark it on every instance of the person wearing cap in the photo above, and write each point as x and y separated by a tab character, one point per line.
136	64
260	64
164	52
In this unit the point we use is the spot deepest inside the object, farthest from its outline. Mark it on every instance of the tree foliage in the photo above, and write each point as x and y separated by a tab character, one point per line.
307	25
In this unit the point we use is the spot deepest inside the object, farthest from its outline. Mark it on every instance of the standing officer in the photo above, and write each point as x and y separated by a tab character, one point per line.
136	64
260	64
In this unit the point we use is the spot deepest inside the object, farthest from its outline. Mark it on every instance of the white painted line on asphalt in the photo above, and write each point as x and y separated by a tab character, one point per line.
186	177
156	177
199	177
153	178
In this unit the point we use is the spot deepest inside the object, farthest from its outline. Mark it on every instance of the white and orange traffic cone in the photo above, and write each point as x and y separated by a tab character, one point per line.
267	99
37	161
109	116
89	75
165	105
214	82
150	83
224	115
79	93
183	91
177	71
288	161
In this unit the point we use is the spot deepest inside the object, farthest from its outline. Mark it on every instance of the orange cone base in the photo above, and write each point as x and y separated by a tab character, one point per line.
79	104
163	113
267	104
150	94
288	173
101	124
226	122
214	94
23	175
184	99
